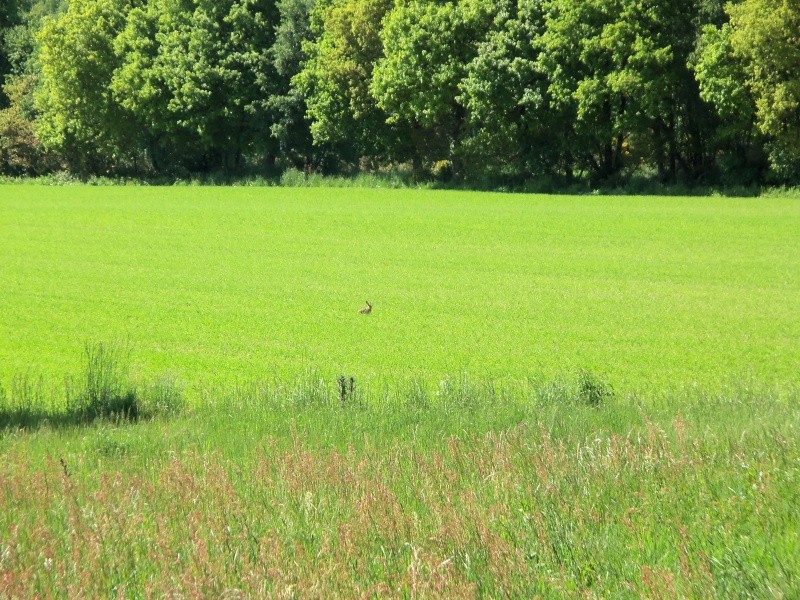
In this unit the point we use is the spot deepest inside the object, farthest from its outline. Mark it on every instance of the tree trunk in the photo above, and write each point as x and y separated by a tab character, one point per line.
417	141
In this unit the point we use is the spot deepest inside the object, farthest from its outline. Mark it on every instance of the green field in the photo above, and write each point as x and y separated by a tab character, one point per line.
559	397
231	284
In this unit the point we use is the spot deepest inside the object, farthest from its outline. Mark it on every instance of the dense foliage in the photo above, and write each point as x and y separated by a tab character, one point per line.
477	90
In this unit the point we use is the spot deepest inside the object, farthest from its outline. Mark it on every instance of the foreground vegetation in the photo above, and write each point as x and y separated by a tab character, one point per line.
466	492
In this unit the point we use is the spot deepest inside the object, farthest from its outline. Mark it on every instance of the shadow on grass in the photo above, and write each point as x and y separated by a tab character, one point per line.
121	409
25	418
104	392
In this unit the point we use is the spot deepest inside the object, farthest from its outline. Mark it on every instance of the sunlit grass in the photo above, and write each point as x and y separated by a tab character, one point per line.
220	285
553	396
255	497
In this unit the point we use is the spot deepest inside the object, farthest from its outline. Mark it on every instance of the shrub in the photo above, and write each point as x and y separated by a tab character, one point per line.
442	171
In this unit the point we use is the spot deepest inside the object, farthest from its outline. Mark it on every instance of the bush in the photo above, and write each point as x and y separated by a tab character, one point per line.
442	171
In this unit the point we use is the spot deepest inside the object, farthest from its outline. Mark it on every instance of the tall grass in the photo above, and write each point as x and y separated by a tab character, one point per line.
104	390
637	185
459	488
251	498
25	402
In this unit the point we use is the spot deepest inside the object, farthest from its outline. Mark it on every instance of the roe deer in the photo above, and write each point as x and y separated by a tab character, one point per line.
365	310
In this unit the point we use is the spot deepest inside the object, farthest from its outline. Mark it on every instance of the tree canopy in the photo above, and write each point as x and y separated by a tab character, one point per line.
479	90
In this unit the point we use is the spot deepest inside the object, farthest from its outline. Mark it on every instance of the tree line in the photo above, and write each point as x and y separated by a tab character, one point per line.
474	90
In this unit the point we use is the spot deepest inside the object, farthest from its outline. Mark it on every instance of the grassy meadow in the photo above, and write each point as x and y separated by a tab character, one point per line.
553	397
226	284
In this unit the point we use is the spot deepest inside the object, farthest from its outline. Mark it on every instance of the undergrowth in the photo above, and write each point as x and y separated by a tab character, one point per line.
639	186
330	485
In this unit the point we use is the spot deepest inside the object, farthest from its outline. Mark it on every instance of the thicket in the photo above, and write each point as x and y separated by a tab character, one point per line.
471	91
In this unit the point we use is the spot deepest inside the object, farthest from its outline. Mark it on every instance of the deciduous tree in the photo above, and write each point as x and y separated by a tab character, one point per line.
764	37
290	128
79	114
198	75
344	114
515	129
428	46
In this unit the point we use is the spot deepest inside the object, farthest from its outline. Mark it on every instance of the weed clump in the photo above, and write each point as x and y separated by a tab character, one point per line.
109	393
347	389
106	391
25	403
163	397
592	390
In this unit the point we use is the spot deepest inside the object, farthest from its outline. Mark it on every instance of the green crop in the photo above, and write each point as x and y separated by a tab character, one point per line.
226	284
